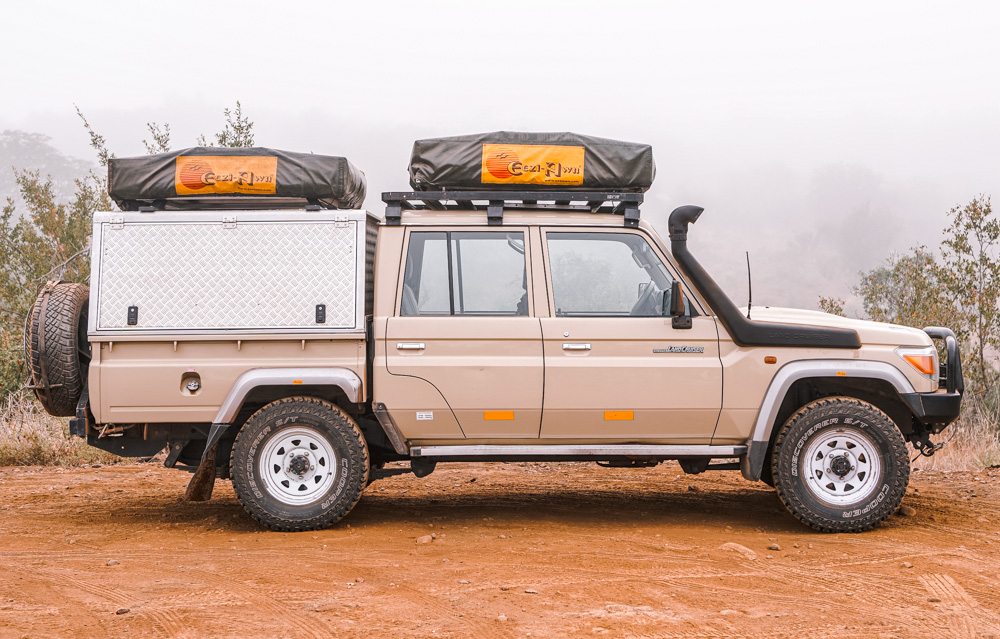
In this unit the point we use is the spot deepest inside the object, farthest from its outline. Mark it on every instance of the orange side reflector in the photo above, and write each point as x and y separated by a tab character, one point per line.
496	415
770	360
616	415
296	381
923	363
841	374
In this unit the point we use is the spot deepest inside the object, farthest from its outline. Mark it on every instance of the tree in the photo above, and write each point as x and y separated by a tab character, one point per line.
832	305
237	132
907	290
971	274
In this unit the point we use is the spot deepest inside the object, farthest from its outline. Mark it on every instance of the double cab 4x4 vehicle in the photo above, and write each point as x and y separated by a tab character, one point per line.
246	316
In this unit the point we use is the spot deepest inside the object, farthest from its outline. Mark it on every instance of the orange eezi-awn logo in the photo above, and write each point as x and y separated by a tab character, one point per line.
532	164
249	174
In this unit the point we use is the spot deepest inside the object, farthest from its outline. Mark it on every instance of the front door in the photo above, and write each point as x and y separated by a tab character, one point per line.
615	368
464	326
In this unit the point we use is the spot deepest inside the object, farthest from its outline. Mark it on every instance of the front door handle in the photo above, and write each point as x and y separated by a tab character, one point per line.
576	347
409	346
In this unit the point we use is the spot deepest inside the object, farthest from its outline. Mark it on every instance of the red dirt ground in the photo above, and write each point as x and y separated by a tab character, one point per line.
540	550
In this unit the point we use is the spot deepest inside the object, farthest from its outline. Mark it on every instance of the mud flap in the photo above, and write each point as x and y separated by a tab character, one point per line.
203	481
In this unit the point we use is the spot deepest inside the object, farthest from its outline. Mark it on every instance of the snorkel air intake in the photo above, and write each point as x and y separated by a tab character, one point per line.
746	332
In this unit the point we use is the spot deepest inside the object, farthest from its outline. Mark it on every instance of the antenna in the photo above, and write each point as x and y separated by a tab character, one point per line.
749	287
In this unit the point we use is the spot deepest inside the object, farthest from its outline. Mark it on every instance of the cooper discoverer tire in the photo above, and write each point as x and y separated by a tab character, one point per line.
840	465
299	463
56	348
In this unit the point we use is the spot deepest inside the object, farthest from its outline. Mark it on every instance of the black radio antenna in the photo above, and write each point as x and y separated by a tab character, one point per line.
749	287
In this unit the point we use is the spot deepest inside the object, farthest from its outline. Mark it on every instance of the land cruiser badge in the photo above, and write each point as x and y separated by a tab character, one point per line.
680	349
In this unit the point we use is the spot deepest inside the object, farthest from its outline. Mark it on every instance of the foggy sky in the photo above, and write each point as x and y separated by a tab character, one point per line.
818	137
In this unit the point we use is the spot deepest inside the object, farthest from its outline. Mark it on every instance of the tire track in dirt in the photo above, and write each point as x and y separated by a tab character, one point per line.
266	603
965	616
172	623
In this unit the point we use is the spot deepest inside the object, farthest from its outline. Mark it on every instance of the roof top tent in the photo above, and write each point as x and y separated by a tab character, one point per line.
508	170
223	177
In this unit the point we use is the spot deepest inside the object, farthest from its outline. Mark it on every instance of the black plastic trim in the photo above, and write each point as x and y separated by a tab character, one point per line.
746	332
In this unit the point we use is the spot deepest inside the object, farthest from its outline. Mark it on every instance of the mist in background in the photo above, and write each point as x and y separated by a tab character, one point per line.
818	138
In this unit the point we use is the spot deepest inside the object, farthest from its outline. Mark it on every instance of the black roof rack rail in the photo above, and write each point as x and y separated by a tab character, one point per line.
236	202
495	202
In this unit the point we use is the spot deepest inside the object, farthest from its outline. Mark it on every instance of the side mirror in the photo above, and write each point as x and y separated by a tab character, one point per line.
678	309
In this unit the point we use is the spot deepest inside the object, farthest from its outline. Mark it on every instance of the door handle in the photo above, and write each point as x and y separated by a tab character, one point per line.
576	347
409	346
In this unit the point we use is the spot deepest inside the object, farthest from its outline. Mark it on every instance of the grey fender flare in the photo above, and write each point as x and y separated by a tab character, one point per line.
752	464
343	378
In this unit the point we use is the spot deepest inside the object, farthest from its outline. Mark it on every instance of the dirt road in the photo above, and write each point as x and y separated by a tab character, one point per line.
546	550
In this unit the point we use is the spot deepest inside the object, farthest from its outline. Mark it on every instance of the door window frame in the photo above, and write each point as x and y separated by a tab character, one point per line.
693	300
400	282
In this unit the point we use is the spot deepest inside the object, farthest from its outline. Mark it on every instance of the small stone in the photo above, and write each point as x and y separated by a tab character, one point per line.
122	611
472	480
112	562
503	536
445	560
530	592
463	581
906	564
501	618
907	511
773	547
933	600
426	539
795	545
506	587
98	466
692	488
772	539
359	580
983	520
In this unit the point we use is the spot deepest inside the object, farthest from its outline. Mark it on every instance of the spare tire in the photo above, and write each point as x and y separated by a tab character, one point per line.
56	348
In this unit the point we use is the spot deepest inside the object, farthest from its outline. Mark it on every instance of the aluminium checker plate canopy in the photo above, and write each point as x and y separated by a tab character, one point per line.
219	272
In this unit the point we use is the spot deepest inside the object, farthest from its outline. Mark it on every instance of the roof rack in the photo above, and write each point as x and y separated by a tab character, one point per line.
495	202
237	202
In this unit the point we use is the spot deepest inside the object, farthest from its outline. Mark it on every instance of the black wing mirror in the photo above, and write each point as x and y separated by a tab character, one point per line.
679	317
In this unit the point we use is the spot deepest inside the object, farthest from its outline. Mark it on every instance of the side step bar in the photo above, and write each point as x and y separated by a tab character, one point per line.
570	452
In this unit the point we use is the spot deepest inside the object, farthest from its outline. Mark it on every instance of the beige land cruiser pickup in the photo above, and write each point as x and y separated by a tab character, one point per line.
506	309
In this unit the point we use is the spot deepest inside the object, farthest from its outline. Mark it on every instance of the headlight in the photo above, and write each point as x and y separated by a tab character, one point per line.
922	358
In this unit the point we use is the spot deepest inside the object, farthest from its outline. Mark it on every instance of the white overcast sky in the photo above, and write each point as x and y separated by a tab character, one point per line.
819	136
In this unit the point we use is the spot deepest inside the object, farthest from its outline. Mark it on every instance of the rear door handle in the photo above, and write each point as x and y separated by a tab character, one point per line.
576	347
409	346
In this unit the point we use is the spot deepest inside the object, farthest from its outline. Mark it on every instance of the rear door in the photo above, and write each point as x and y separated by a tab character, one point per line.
464	324
615	367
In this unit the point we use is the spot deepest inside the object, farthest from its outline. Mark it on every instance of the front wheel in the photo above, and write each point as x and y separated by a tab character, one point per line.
299	463
840	465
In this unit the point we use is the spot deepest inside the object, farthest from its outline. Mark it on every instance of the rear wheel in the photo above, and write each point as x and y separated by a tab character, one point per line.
840	465
299	463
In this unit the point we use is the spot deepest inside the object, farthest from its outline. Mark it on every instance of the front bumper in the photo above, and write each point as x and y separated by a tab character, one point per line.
937	410
934	409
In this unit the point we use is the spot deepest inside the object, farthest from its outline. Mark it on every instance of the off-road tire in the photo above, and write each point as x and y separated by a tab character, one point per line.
262	496
840	427
64	354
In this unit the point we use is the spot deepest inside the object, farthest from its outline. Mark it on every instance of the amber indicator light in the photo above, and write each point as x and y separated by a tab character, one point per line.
923	363
770	360
498	415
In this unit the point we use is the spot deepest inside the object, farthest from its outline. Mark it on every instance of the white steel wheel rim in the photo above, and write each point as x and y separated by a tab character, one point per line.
297	465
842	466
